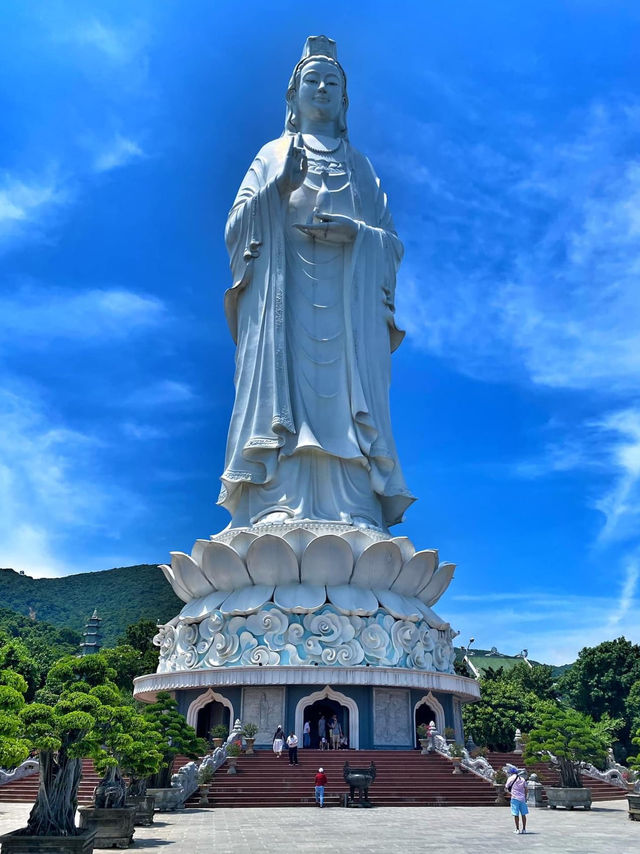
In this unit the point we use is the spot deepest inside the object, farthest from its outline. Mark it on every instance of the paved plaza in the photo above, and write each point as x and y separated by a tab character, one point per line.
450	830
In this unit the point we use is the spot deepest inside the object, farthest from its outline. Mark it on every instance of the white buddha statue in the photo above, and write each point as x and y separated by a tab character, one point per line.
314	256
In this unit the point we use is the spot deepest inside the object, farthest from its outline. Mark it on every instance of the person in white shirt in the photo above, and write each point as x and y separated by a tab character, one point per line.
292	744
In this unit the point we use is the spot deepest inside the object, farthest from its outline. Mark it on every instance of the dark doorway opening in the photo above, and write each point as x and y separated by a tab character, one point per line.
424	715
327	708
211	715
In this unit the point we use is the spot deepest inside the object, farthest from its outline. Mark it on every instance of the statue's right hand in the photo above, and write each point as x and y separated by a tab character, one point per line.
294	169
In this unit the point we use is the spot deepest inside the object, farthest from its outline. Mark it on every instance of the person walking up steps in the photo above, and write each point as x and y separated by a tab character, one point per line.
292	744
278	742
321	782
516	786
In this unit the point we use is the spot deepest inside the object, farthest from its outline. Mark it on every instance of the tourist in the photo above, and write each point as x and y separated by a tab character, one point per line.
278	742
321	782
322	730
516	786
306	734
292	744
335	732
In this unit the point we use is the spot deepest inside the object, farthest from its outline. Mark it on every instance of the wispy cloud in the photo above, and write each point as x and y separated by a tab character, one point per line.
545	278
161	393
119	45
49	492
27	204
621	504
119	152
37	315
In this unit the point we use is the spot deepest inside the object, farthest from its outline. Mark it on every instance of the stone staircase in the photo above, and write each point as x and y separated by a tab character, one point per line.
548	775
25	790
404	778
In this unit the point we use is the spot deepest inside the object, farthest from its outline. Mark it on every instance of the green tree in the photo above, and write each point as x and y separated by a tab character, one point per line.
140	636
177	736
536	680
15	656
632	707
571	737
14	749
600	681
502	709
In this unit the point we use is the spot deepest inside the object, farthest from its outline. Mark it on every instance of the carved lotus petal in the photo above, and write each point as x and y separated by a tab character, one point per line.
199	608
191	575
241	542
247	600
299	598
178	588
407	549
378	566
271	560
353	601
416	573
299	539
431	617
358	540
327	560
223	565
401	607
438	584
198	550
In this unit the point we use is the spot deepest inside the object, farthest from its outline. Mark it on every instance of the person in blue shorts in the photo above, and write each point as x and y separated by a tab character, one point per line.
516	786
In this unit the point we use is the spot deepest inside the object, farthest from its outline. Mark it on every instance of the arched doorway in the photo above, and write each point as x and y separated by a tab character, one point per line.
211	715
325	708
426	710
330	701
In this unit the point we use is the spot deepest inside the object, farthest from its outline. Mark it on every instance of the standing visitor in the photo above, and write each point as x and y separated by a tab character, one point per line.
292	744
321	782
278	742
306	734
516	786
322	730
336	733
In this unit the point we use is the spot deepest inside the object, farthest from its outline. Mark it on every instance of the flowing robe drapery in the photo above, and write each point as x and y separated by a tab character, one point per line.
273	453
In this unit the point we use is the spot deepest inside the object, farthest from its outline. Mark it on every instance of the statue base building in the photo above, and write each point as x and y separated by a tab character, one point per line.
286	622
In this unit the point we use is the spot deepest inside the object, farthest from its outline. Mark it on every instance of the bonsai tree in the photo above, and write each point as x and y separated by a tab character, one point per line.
176	736
571	738
123	743
423	731
219	731
14	749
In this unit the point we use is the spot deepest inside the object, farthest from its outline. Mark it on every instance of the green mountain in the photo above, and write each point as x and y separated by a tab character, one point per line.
121	596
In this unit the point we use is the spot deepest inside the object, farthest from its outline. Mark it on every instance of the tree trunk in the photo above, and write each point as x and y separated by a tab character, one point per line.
137	787
54	811
569	774
110	793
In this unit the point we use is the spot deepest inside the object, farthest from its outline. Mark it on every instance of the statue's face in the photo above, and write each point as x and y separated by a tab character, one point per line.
320	91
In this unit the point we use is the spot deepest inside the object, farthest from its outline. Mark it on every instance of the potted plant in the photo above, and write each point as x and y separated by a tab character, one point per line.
423	738
205	777
218	734
176	737
499	779
62	730
450	734
569	737
233	751
249	732
456	753
633	797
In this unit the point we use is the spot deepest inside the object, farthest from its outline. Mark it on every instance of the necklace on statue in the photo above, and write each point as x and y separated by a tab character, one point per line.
321	150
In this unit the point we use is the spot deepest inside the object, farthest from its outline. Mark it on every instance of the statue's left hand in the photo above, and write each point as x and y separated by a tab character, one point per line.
331	228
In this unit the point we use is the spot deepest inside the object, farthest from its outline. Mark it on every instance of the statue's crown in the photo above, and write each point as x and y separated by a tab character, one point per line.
319	46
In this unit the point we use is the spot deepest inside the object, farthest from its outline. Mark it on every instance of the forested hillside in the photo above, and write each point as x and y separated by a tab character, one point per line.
122	596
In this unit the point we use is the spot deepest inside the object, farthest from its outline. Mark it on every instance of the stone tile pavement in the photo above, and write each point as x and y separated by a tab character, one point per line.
446	830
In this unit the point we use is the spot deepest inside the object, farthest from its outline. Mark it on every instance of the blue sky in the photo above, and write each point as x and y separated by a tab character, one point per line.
506	135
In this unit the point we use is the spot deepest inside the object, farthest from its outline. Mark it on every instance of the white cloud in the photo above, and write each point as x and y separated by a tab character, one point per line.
36	315
50	490
120	152
27	205
554	627
161	393
545	258
621	503
118	45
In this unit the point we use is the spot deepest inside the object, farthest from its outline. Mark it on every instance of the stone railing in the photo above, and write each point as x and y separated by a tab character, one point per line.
28	767
478	765
219	756
615	774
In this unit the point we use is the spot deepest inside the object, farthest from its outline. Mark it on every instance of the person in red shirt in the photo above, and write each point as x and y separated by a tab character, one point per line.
321	782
